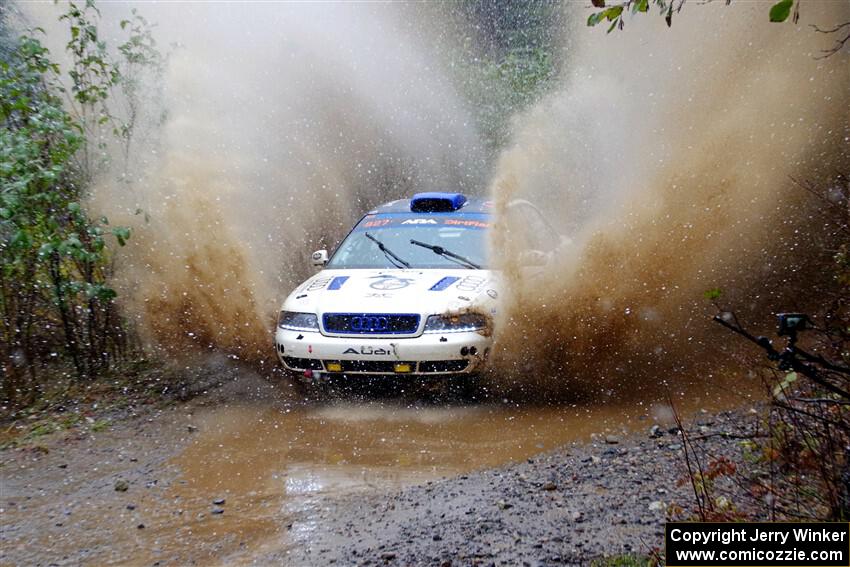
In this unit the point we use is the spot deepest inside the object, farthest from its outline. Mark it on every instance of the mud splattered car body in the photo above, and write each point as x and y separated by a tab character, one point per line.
406	293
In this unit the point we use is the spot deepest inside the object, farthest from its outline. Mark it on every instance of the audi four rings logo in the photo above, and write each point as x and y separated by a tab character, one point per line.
369	324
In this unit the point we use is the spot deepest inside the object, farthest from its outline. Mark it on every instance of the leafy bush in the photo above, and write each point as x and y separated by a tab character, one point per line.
56	303
797	462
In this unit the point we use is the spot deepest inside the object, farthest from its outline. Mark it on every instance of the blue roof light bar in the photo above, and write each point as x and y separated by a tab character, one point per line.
436	202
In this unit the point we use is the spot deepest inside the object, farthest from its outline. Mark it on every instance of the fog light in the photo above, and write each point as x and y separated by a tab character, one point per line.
402	368
333	366
473	351
464	351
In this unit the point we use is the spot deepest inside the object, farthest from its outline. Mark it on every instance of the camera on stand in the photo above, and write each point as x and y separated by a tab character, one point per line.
791	323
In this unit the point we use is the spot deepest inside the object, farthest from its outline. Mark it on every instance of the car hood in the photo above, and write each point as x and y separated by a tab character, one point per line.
425	292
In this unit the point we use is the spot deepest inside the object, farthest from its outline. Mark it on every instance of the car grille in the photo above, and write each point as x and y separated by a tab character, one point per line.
370	323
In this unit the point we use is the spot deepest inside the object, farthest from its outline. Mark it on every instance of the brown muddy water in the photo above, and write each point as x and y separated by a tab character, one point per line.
275	466
276	462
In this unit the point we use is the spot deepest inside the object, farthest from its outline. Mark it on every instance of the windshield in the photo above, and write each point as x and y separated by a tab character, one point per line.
461	234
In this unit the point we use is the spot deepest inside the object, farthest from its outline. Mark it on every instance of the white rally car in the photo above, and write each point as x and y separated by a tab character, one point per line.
407	292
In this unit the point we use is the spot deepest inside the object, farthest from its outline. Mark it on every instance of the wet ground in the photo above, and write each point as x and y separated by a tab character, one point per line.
235	476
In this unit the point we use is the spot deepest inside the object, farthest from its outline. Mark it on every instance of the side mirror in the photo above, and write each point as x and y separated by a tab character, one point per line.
319	258
533	258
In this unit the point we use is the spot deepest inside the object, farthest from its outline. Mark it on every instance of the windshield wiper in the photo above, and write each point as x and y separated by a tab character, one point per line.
466	262
391	256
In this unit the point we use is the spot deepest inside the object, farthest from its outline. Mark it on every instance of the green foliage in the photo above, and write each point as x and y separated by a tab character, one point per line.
501	87
55	297
713	294
507	63
140	47
780	11
626	560
522	73
613	13
93	76
140	64
41	430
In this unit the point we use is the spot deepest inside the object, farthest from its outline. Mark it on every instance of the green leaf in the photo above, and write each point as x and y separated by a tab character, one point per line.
100	291
781	10
21	238
122	233
73	241
613	12
642	5
594	19
46	249
713	294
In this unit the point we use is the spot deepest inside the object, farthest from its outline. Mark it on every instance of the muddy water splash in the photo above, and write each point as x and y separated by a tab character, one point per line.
281	124
665	156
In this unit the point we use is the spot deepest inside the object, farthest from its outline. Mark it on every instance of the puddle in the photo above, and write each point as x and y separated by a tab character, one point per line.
274	465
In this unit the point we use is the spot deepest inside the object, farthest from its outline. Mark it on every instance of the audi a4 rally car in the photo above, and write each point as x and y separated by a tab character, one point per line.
407	292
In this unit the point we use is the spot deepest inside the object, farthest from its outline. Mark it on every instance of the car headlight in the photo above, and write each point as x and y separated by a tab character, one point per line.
294	321
455	323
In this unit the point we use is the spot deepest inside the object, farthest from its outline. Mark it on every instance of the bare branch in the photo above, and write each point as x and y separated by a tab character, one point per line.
833	30
839	43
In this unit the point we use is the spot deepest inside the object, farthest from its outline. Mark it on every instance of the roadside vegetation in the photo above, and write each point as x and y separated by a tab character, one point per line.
612	14
506	60
61	323
795	459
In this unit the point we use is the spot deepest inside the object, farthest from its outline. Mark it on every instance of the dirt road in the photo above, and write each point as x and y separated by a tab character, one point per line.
571	506
251	473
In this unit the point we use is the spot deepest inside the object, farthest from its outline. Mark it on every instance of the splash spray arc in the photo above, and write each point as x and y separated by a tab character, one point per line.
672	179
667	168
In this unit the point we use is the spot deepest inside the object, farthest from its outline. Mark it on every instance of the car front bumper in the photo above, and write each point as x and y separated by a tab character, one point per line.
427	354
